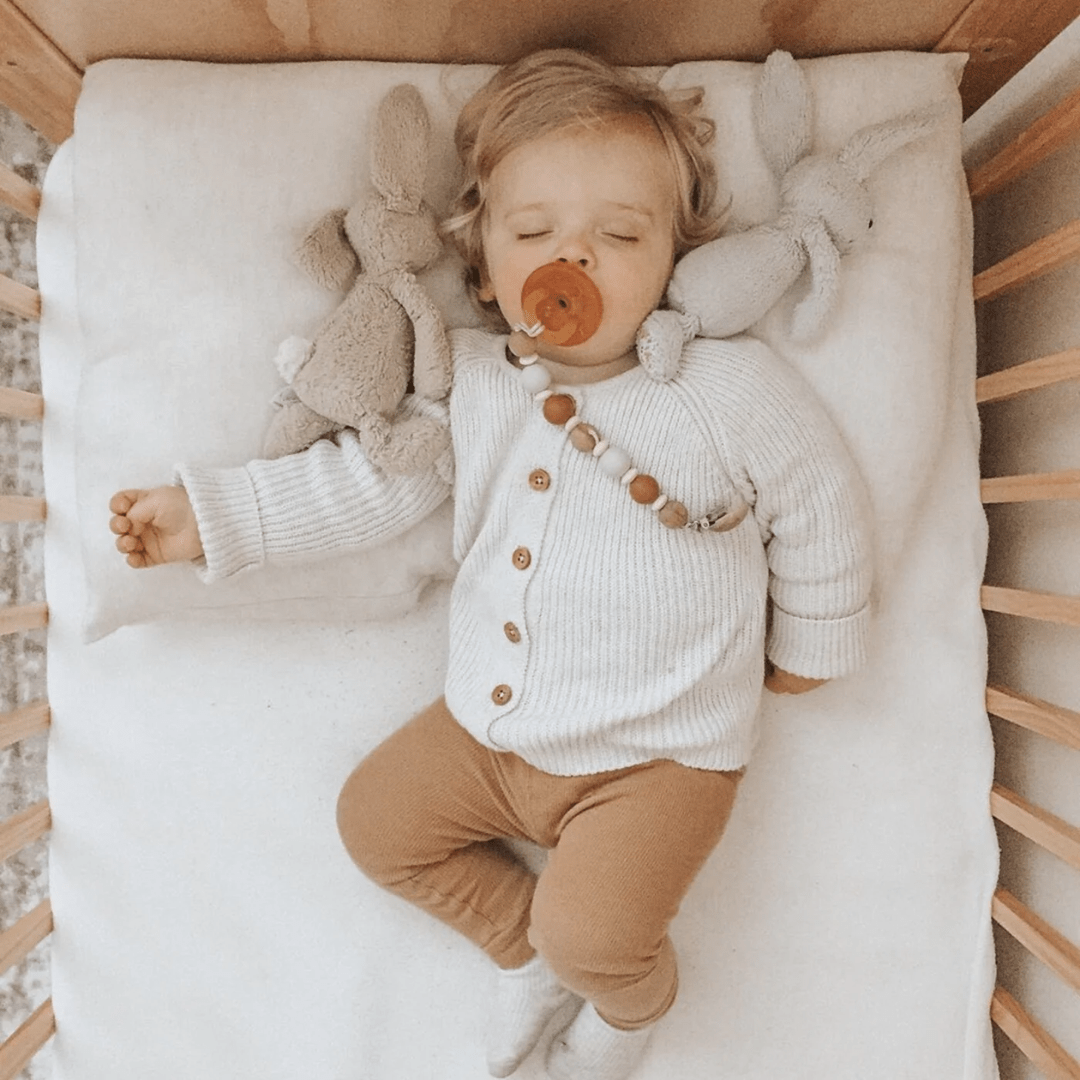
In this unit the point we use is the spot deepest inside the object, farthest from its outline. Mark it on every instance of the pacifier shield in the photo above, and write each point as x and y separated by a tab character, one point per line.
565	300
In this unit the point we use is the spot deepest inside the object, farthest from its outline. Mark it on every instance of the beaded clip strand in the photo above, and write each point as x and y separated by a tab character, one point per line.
561	410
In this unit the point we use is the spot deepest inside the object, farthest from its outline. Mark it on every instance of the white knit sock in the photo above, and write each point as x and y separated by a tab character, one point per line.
591	1049
526	998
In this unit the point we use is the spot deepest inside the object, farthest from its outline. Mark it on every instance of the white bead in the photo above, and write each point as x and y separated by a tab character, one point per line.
535	378
572	423
660	503
600	448
615	462
628	477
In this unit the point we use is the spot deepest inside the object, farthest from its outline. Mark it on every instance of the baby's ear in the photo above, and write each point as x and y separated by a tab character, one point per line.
326	255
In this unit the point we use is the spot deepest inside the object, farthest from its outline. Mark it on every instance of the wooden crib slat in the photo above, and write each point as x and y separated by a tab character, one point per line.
1038	825
16	1053
30	720
21	404
24	828
1051	721
18	942
1048	134
1046	607
36	79
22	508
19	299
1038	937
23	617
1032	375
1031	1039
1046	254
19	194
1032	487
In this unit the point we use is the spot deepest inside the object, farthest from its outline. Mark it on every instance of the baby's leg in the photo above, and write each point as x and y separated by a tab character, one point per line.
603	905
416	816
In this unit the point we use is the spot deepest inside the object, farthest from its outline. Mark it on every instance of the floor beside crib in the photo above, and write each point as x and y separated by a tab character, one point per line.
22	656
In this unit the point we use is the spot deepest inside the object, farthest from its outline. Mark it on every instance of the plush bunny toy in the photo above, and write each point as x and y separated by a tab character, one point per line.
386	330
733	281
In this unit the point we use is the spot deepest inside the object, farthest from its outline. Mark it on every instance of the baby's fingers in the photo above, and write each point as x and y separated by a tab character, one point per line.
123	501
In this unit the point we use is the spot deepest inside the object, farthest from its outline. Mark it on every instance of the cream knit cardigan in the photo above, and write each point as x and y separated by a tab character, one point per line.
584	635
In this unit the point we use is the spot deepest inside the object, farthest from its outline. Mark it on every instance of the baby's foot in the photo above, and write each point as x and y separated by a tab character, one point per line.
591	1049
526	998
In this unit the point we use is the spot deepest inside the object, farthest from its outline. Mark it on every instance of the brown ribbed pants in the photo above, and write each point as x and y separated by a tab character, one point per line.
419	816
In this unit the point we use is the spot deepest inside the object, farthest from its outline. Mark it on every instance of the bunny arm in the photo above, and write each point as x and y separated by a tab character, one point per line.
326	255
431	361
731	282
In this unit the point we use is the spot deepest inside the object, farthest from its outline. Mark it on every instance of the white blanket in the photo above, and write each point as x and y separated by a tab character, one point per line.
208	921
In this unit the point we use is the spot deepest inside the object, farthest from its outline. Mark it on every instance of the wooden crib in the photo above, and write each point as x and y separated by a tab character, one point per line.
45	46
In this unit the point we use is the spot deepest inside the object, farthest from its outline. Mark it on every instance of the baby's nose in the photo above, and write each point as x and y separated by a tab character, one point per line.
577	251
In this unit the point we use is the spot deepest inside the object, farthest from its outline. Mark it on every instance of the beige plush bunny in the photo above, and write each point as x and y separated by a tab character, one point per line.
386	332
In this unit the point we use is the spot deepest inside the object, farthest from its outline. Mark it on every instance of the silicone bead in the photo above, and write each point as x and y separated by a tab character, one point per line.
614	461
535	378
559	408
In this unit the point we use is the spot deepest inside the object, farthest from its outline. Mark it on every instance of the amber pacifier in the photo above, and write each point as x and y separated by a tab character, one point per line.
565	300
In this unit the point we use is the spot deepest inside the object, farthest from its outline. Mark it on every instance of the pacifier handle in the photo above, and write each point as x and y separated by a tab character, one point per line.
565	300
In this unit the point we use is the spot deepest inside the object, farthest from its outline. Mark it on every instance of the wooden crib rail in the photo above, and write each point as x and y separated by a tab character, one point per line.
19	194
1031	822
1022	378
1046	136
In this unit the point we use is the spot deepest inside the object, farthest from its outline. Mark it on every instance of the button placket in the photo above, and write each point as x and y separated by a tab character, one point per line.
531	485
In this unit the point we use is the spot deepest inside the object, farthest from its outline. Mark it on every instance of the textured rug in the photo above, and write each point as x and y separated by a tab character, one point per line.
23	877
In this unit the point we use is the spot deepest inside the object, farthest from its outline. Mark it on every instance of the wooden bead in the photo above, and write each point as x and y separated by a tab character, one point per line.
520	344
644	489
559	408
584	438
674	515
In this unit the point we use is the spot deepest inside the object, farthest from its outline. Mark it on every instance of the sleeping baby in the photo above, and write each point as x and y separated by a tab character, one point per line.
642	547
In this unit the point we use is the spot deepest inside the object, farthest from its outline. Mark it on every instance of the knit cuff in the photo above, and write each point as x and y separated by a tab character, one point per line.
228	515
818	648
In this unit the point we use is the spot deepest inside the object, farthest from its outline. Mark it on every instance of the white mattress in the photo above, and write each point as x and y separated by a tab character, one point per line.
208	921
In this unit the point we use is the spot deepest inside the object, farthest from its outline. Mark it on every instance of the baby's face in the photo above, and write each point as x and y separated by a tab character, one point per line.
603	200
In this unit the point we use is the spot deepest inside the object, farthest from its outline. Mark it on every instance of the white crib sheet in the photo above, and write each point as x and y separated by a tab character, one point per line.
208	922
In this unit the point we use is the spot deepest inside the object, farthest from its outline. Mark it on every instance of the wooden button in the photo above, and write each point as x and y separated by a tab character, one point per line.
512	632
501	694
539	480
522	557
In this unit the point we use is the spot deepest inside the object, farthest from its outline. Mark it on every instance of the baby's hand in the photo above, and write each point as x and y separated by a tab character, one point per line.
783	682
155	526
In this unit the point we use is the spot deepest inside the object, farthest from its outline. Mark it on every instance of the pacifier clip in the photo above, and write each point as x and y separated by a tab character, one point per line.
565	307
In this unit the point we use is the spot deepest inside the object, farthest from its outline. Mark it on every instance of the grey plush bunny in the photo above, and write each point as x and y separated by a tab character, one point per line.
386	331
733	281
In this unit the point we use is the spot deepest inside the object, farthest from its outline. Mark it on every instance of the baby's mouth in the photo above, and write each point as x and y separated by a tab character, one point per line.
565	301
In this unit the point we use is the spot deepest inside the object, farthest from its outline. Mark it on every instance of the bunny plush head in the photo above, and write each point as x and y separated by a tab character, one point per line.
386	332
825	210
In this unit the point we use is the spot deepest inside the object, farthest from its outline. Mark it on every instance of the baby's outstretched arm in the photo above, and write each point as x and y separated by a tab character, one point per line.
155	526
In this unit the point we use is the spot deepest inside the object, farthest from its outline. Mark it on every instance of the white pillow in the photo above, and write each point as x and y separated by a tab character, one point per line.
192	184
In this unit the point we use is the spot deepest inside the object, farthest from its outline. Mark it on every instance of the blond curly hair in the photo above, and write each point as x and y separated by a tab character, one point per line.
554	89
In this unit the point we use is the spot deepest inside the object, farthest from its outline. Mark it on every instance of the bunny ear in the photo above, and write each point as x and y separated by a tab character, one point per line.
783	112
870	146
399	156
809	316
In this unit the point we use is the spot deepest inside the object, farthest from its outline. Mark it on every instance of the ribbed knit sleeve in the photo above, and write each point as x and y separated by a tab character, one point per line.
812	507
327	498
